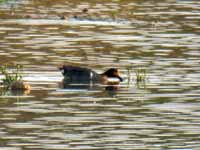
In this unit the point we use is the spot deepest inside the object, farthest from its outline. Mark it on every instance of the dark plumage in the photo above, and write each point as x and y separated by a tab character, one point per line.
79	74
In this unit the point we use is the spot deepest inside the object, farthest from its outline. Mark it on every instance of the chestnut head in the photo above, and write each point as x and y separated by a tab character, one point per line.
113	73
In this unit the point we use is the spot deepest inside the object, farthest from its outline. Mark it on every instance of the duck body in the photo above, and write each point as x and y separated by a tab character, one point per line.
79	74
85	75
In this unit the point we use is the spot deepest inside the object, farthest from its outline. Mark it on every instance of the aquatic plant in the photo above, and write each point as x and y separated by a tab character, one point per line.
140	75
4	1
12	76
114	14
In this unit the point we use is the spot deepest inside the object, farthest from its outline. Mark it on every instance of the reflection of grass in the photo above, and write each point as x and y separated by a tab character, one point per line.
11	77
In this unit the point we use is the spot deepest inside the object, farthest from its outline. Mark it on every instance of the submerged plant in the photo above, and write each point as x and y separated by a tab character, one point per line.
11	77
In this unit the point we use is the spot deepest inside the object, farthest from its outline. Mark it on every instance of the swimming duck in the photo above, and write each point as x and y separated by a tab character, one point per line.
85	75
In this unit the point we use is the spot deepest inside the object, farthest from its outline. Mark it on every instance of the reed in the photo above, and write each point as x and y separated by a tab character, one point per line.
141	75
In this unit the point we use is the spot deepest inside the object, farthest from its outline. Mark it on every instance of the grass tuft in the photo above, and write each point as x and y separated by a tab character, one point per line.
11	76
141	75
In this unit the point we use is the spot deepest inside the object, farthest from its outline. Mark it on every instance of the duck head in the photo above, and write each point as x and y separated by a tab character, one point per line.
113	73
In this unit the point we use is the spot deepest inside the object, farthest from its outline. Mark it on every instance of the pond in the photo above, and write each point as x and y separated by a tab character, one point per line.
160	36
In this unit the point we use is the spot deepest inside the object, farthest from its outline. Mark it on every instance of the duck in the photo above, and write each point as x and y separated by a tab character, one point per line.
87	75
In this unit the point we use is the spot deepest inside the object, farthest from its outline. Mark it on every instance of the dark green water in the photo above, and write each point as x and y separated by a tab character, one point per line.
160	36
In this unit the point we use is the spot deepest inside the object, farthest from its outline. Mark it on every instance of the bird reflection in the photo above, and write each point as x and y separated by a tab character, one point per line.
110	88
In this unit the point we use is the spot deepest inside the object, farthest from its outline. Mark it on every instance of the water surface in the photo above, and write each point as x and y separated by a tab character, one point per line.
159	36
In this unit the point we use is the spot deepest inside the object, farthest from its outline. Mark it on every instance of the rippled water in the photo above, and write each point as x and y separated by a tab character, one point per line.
159	36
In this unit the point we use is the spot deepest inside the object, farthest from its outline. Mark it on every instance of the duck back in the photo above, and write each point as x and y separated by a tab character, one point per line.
78	74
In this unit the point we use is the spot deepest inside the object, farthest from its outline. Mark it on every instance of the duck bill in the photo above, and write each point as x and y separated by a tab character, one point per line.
120	78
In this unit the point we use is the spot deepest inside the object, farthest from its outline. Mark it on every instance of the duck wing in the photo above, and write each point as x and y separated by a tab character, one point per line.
74	73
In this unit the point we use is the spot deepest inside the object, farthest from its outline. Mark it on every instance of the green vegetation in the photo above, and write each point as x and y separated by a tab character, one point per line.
1	1
11	76
141	78
8	2
114	14
140	75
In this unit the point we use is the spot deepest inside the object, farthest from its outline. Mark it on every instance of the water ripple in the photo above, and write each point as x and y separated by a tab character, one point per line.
159	113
